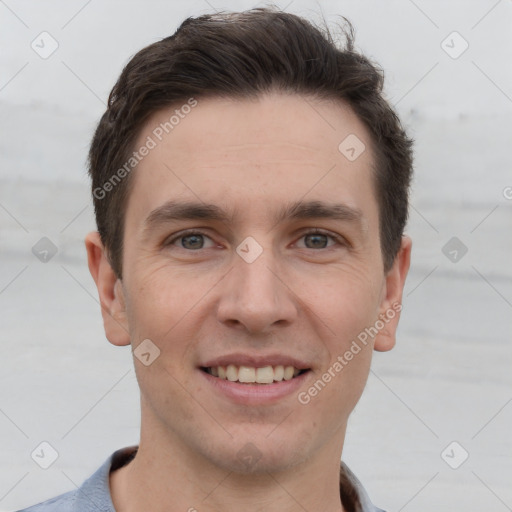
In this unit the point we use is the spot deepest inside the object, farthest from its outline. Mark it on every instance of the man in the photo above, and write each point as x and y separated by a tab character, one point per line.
251	190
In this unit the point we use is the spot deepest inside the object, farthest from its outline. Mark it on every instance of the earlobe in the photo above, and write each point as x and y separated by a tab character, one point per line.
391	305
110	291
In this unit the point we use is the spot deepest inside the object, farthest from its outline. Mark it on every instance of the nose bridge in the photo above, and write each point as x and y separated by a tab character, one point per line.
256	279
254	295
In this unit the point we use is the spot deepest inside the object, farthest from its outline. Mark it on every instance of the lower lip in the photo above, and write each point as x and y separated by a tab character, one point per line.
256	394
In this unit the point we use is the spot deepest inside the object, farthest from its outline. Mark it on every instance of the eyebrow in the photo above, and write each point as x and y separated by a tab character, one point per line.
190	210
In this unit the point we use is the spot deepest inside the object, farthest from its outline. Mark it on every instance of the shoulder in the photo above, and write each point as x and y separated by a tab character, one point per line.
93	494
61	503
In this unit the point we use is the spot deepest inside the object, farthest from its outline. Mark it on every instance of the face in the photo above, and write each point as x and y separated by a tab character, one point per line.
252	253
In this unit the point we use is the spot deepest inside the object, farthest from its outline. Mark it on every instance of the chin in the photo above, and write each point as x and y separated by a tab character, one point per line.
252	455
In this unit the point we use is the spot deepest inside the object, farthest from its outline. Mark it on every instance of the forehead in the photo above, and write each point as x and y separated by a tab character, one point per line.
274	147
235	124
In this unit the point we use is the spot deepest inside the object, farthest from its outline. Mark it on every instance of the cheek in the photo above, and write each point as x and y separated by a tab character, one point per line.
335	391
167	308
348	303
347	308
159	302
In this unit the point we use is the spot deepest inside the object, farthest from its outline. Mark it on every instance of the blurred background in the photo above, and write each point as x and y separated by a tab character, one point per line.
434	425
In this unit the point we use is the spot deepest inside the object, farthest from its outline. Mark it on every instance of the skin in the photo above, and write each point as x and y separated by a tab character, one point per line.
305	297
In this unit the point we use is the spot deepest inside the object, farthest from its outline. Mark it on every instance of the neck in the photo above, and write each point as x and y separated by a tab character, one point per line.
168	477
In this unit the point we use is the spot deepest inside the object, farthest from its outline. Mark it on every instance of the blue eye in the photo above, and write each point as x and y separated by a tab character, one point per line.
192	240
195	240
319	239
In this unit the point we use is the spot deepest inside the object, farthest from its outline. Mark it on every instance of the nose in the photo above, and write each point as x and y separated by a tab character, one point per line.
256	297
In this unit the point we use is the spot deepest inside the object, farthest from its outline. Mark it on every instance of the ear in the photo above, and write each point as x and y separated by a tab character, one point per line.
391	303
110	290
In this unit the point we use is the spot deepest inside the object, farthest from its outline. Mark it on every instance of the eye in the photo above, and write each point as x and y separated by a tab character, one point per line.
190	240
195	240
318	239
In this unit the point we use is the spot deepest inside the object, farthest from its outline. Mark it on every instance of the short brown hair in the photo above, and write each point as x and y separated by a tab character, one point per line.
243	55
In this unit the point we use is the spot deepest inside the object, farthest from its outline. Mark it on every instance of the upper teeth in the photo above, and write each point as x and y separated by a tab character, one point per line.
265	375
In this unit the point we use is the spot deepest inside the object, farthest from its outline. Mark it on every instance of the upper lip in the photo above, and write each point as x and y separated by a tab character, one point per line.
256	361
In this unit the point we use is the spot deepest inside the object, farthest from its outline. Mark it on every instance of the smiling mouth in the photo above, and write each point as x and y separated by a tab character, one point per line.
251	375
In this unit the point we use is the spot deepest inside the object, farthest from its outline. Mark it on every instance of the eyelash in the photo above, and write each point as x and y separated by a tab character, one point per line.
338	239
